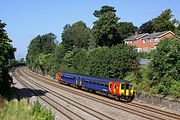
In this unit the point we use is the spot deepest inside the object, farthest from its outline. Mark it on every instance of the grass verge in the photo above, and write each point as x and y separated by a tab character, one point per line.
18	108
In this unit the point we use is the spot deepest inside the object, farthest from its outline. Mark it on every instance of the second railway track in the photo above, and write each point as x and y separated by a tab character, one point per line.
140	110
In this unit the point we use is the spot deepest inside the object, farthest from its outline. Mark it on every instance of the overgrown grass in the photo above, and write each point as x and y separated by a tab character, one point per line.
15	106
22	110
16	110
41	113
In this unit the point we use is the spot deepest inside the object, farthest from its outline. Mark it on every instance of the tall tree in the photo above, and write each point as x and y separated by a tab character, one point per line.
41	44
6	54
105	28
146	27
126	29
164	21
165	65
76	36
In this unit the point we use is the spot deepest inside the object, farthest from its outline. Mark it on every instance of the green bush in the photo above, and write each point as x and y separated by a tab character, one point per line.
41	113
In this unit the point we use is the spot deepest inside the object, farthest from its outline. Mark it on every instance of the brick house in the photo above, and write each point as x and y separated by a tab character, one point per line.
147	42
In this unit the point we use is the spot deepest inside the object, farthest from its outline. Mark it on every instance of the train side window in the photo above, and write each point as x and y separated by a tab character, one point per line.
130	87
90	82
115	86
93	82
102	84
110	85
122	86
127	86
98	83
106	85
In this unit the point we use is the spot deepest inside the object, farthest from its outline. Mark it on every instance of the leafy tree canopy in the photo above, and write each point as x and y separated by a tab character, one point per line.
6	54
104	10
126	29
165	64
76	36
105	28
163	22
41	44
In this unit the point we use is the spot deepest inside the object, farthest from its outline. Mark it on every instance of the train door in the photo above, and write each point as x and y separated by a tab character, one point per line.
128	89
59	76
115	87
118	89
123	89
111	87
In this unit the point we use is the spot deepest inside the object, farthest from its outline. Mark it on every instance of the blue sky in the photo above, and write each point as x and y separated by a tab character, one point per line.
26	19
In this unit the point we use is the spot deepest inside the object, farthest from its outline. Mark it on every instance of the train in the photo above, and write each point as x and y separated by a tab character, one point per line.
119	89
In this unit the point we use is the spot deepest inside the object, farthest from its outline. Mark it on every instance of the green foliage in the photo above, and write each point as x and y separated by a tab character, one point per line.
126	29
99	60
76	61
163	22
166	60
41	113
146	27
59	54
6	54
46	63
165	66
105	28
175	89
75	36
114	62
39	52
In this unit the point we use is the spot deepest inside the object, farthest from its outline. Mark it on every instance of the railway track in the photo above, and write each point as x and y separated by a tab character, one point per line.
88	110
148	112
63	110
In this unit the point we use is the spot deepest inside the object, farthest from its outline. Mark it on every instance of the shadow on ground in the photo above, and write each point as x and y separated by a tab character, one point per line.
19	94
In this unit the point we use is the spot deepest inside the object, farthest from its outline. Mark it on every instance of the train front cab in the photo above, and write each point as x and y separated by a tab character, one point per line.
124	91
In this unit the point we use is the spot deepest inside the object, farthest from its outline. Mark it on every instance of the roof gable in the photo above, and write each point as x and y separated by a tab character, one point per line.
158	34
134	37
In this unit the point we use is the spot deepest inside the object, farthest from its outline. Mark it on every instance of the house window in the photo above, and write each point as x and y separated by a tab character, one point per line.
156	39
145	40
152	40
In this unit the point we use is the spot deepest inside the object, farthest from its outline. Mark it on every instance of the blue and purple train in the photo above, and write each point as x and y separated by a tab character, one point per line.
121	89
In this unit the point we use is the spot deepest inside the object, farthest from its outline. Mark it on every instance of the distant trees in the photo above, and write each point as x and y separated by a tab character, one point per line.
163	22
126	29
105	28
146	27
76	36
40	47
100	51
6	54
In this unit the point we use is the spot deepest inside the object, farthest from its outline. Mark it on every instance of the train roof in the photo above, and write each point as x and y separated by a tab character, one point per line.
99	78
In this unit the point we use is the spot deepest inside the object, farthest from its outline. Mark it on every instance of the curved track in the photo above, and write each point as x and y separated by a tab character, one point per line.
134	108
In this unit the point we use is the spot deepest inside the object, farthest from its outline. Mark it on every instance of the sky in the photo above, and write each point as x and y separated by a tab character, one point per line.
26	19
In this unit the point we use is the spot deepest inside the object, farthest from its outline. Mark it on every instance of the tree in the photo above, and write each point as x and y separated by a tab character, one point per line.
114	62
164	22
59	54
146	27
105	28
126	29
6	54
76	36
165	65
41	44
